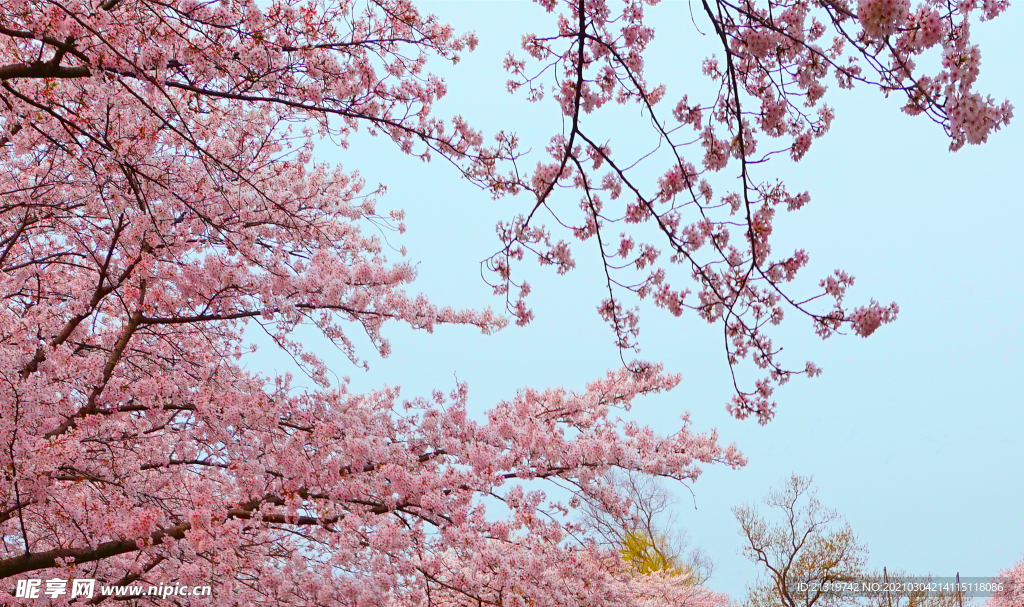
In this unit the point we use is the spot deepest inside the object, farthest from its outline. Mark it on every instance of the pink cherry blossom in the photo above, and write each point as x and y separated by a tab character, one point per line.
162	198
1012	593
772	62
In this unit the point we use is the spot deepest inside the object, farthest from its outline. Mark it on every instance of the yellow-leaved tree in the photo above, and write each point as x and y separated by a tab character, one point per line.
811	558
646	531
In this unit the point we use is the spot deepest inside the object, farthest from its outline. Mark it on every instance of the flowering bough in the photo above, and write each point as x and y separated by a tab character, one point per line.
332	496
159	197
771	68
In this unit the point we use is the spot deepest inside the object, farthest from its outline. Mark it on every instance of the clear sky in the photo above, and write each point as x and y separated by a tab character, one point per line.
914	434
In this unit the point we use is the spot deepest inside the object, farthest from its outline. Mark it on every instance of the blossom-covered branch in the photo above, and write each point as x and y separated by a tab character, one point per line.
673	239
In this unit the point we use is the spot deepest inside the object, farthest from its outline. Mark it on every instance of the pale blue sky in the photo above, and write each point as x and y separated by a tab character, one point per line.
914	434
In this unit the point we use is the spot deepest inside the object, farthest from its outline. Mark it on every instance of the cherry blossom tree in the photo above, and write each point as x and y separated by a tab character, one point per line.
161	198
1012	593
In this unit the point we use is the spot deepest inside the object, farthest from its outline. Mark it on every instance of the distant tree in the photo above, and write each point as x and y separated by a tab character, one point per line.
648	534
808	547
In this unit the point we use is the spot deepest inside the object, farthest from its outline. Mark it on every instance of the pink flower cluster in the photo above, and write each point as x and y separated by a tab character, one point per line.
867	319
881	18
